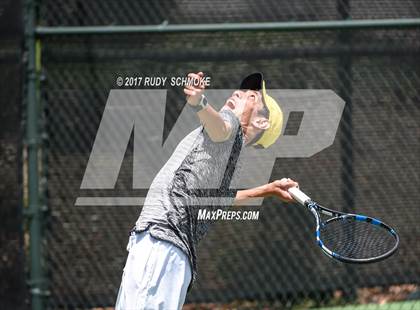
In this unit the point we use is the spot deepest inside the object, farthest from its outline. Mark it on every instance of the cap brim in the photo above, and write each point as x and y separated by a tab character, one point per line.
253	81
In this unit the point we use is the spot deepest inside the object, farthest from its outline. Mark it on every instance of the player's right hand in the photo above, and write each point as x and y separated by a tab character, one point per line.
279	189
195	91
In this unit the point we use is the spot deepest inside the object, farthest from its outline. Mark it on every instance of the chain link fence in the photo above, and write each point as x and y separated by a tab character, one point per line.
372	166
149	12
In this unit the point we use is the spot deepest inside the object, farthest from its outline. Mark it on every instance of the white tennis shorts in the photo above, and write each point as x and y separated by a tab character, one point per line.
156	275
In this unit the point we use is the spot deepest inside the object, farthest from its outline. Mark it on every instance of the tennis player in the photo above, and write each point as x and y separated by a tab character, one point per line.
162	260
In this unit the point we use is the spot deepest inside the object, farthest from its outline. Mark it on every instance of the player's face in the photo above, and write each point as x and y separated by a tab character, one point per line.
245	104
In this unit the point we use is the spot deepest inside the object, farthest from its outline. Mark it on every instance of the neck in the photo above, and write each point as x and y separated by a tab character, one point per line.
249	135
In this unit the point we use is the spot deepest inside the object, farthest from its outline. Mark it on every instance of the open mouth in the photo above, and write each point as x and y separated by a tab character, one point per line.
230	103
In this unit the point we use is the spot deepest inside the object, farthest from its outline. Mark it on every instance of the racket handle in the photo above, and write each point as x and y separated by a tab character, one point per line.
298	195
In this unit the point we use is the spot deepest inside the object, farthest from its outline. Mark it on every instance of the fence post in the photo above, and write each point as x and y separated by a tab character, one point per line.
34	212
345	67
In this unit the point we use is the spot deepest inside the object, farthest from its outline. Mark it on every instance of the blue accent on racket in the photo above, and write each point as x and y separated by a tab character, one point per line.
350	238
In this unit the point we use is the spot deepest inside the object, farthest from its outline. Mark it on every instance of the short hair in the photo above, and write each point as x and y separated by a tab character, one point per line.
264	111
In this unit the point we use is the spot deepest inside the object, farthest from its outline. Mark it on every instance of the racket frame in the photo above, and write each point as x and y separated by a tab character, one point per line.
316	209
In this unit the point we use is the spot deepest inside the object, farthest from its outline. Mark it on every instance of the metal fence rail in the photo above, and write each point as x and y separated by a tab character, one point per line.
279	26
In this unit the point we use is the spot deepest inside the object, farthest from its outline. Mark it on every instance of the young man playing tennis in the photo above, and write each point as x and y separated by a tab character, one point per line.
161	264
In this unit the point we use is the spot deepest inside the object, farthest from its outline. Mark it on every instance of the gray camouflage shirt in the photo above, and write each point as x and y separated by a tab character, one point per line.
196	176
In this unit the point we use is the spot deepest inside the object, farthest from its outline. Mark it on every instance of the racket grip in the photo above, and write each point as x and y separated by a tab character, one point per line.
298	195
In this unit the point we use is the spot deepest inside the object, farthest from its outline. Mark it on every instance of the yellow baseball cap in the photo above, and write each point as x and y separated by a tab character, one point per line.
256	81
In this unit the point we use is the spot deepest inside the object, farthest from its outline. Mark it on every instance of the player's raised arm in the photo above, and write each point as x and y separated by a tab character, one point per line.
218	129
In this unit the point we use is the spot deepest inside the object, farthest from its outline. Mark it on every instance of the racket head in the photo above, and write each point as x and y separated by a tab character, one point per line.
357	239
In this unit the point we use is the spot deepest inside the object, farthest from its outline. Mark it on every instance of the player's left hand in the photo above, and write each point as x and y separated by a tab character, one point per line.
195	91
279	189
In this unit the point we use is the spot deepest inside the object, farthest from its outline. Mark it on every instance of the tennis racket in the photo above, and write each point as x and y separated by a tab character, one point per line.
349	238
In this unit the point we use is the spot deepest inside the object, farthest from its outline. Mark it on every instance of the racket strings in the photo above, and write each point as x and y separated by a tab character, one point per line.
356	239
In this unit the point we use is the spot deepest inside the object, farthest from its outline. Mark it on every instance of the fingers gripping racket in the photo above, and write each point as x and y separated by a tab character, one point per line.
349	238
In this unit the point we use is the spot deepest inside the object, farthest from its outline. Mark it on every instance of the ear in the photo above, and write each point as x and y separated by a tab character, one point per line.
260	122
